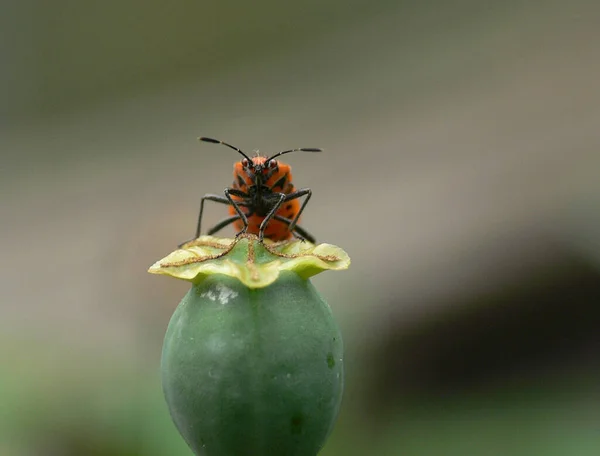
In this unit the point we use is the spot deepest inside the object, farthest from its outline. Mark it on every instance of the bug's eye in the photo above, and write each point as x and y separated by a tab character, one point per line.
245	163
272	164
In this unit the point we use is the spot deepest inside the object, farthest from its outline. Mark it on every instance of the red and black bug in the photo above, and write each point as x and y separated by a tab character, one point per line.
262	199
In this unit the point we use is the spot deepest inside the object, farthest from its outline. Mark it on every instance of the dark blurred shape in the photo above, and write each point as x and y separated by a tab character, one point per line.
543	324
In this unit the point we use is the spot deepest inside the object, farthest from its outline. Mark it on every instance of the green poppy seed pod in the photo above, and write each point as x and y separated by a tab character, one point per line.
252	360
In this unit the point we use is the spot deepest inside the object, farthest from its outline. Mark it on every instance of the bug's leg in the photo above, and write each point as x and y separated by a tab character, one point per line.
208	197
295	195
298	232
222	224
236	205
270	214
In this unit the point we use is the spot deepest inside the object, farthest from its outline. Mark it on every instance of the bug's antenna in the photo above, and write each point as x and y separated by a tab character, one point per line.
302	149
216	141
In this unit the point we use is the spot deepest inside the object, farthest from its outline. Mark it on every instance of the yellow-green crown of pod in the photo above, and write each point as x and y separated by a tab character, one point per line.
256	264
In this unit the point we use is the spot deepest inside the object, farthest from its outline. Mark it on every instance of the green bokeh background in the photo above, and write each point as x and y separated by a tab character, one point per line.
460	173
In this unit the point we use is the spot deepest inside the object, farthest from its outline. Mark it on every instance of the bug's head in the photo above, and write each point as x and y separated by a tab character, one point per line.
260	169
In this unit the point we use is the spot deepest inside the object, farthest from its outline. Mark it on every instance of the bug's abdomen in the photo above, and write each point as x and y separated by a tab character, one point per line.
275	230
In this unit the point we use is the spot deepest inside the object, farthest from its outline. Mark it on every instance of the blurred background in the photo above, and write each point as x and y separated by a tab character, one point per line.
461	174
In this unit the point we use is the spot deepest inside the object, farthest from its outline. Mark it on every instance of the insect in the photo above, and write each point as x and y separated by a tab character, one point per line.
262	199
